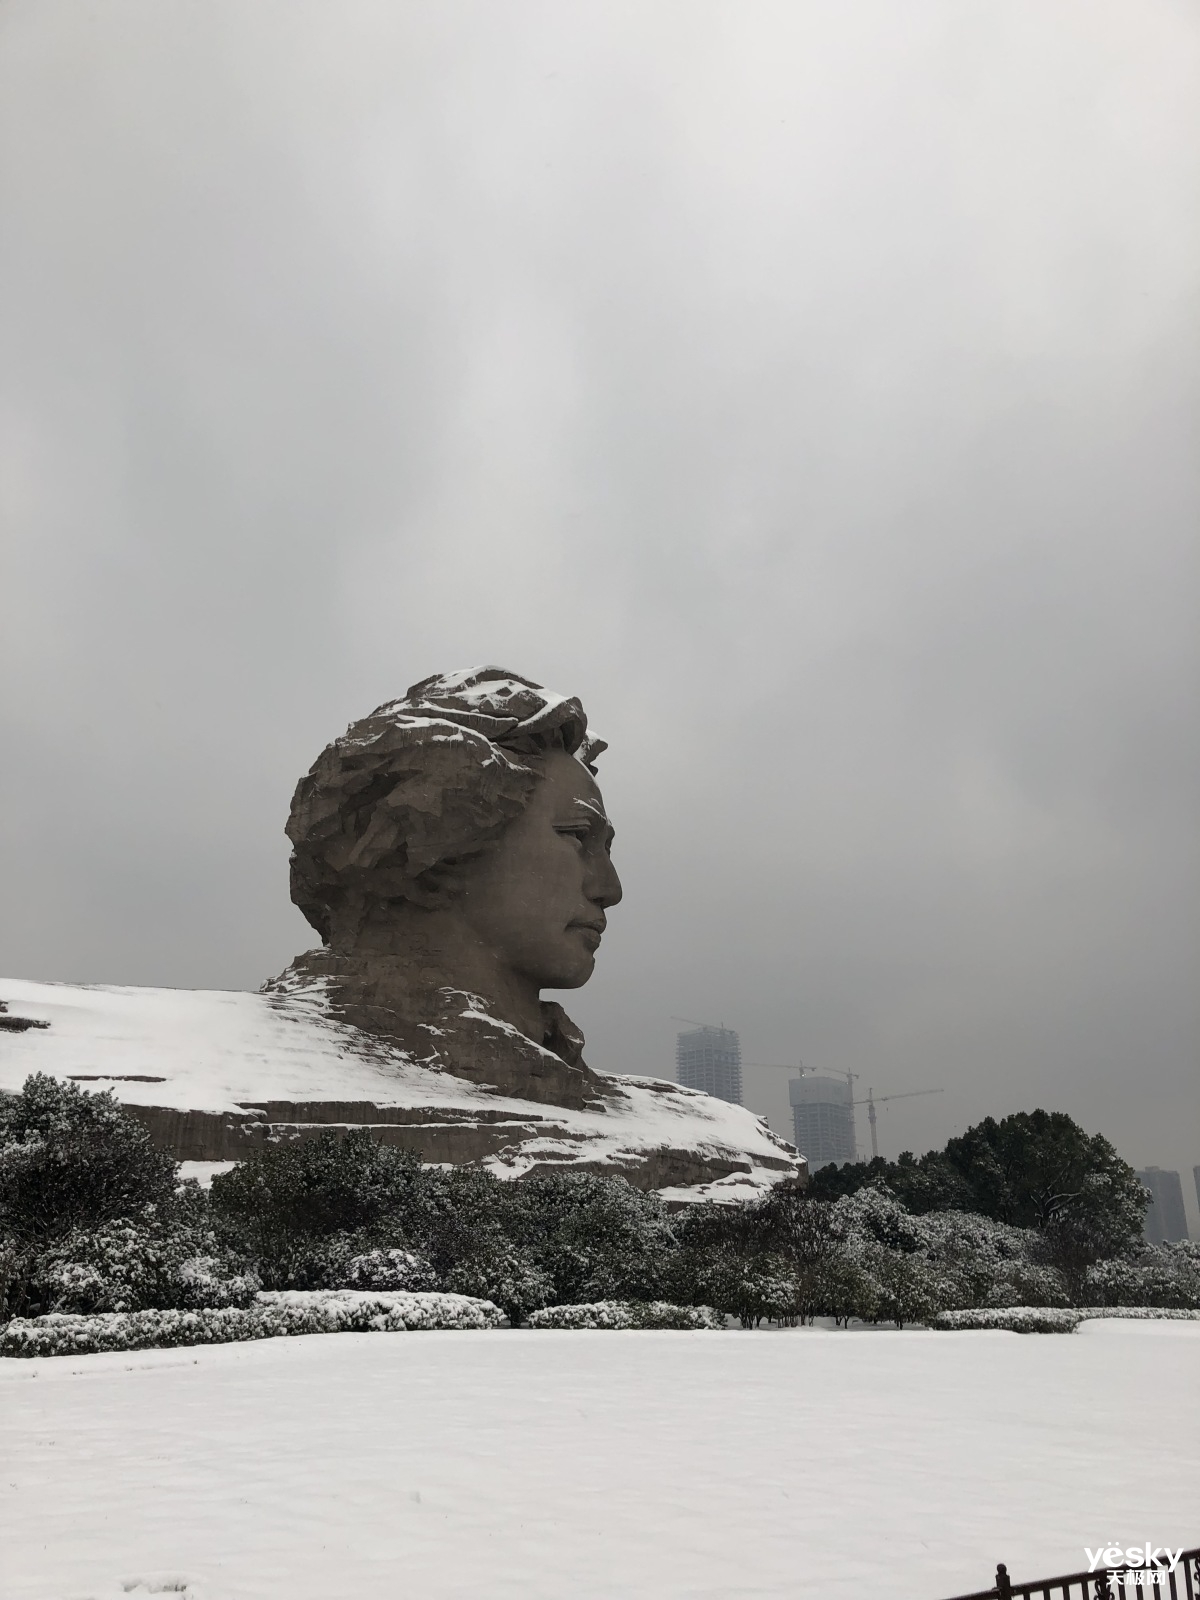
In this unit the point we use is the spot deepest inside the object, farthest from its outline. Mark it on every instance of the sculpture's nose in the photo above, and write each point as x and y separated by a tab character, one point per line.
604	887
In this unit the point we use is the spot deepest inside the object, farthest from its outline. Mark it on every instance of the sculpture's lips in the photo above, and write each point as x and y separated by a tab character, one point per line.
590	927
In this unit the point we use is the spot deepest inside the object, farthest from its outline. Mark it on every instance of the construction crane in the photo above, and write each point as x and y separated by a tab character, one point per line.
798	1066
871	1102
716	1027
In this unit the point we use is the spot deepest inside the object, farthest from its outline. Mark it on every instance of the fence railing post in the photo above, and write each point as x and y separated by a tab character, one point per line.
1003	1583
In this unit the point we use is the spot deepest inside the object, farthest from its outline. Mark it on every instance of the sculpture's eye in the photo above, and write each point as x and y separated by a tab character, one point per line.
574	830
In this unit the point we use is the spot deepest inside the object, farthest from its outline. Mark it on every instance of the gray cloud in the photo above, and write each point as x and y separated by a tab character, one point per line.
812	388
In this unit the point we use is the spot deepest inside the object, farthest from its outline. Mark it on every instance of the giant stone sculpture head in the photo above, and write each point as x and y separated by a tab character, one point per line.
452	850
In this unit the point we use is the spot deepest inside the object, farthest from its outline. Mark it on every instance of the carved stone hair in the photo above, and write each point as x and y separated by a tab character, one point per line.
409	793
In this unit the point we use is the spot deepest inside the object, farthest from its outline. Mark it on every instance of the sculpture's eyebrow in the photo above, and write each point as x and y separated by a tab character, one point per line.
596	809
597	819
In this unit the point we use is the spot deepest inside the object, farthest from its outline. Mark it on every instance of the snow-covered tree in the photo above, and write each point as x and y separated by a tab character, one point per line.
70	1162
1156	1275
1034	1169
596	1237
943	1260
72	1159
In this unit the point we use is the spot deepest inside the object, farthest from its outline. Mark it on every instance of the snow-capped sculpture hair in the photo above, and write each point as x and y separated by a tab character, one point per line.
410	794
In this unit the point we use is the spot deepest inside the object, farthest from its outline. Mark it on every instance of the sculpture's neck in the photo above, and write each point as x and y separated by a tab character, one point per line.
421	952
532	1053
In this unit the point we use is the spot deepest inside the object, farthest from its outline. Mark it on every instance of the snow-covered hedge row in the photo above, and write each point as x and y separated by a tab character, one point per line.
1140	1313
627	1314
383	1311
1054	1319
271	1316
1013	1319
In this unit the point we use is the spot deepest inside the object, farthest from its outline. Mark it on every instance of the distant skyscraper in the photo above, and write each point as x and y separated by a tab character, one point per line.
1166	1219
1196	1181
710	1059
823	1117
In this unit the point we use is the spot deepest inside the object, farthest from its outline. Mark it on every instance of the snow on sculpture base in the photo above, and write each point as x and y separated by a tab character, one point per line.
215	1074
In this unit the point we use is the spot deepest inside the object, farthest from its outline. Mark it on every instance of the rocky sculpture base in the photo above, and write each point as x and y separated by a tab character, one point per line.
215	1074
443	1027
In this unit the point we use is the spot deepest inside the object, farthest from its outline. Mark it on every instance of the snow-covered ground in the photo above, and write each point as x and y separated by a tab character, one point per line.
587	1465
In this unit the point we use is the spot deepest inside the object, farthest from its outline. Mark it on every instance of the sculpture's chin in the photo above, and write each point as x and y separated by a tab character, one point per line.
571	974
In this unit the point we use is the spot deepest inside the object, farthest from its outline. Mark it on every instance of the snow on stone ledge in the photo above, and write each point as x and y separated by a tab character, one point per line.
204	1171
223	1051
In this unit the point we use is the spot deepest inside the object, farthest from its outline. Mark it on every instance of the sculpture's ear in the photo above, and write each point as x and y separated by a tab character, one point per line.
441	884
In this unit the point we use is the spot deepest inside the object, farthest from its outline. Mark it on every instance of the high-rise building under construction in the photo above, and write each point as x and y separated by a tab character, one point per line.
710	1059
1165	1220
823	1119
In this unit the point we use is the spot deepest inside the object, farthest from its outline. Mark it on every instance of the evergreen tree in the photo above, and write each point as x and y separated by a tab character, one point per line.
72	1159
1034	1169
303	1211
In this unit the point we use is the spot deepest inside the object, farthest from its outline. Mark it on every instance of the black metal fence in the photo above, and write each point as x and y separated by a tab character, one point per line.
1149	1582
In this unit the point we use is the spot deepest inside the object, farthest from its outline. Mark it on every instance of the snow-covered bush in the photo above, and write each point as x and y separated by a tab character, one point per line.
1140	1313
270	1316
318	1213
389	1269
943	1260
1057	1319
662	1314
302	1211
1157	1275
340	1261
1012	1319
618	1314
364	1311
504	1273
989	1263
133	1264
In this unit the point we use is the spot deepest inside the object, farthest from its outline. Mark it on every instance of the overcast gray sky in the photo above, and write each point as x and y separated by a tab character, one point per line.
810	386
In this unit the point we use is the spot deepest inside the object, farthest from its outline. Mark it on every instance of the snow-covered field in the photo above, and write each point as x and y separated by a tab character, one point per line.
570	1466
